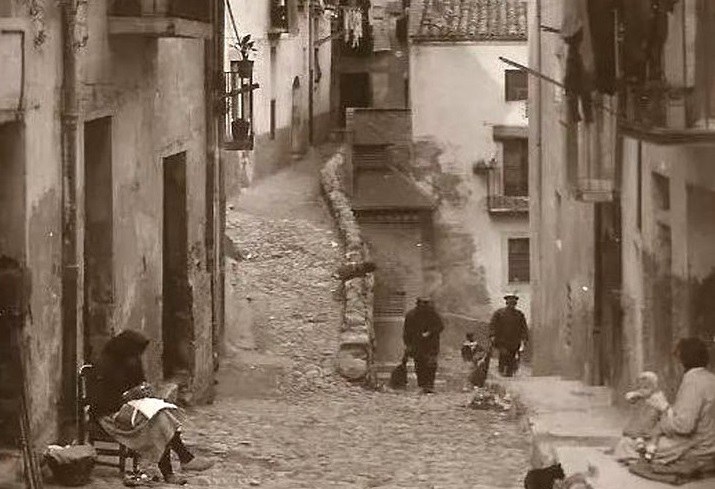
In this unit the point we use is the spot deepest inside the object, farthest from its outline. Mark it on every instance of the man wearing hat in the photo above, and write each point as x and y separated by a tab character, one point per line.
507	331
421	336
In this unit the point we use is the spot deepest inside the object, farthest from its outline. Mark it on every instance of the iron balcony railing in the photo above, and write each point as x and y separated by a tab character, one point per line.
198	10
659	106
238	110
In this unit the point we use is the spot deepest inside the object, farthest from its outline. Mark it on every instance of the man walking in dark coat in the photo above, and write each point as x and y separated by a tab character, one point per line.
421	336
508	330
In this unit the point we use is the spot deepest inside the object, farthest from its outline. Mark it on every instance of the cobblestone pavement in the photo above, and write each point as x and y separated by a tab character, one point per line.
283	418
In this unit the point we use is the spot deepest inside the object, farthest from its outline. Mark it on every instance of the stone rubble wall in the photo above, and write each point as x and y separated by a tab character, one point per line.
357	336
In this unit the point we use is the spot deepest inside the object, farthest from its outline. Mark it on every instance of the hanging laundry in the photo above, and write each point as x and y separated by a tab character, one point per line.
645	33
578	79
352	24
602	22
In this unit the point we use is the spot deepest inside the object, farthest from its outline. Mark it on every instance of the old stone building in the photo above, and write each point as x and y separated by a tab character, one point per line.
110	191
469	126
370	56
395	219
621	204
289	110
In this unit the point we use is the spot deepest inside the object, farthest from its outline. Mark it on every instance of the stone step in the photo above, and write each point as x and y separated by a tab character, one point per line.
609	474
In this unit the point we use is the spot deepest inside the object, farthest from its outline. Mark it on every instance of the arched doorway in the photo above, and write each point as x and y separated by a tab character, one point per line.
296	127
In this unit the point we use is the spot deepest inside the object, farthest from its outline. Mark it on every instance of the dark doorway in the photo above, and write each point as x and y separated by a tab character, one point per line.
98	239
354	92
297	145
176	314
12	245
608	326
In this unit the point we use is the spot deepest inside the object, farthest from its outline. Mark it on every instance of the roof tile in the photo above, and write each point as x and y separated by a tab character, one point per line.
469	20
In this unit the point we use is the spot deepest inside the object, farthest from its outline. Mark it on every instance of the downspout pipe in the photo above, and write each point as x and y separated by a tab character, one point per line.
217	198
312	50
537	307
70	158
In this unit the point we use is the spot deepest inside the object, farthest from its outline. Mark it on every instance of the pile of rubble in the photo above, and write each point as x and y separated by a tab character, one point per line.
491	399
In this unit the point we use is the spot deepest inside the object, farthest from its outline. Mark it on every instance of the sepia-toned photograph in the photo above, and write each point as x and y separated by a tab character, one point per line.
357	244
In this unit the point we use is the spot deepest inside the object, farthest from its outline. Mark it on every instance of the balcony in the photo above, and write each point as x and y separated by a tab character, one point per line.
666	114
667	94
238	110
160	18
508	204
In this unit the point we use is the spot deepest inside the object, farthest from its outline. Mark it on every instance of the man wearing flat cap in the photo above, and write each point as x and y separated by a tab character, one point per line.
421	336
507	331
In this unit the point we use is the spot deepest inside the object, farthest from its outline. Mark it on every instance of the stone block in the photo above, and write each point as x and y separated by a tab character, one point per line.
353	362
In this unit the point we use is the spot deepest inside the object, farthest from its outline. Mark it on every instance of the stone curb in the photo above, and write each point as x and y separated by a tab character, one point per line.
542	453
357	334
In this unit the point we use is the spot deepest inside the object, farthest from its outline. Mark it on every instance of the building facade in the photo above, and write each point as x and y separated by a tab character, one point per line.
290	108
469	123
622	204
370	61
111	197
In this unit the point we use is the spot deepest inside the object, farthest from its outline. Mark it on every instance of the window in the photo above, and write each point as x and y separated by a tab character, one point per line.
661	192
279	15
516	167
518	260
516	83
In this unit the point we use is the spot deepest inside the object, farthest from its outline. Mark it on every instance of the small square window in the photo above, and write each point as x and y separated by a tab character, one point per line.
516	85
518	260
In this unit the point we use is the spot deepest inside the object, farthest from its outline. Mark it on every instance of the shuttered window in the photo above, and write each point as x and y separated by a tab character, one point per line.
516	84
516	167
518	260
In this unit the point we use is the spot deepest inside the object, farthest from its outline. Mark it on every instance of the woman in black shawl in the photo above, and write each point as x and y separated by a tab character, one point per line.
120	379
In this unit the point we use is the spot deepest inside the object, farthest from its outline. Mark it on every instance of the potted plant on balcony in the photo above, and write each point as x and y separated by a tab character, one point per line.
246	46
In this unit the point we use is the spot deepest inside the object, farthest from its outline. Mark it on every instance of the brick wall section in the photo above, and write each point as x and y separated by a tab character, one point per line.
357	336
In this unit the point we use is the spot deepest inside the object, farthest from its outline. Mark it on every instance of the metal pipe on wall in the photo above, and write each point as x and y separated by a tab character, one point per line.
311	53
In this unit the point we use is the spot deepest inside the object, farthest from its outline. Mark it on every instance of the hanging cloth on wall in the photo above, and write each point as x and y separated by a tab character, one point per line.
602	22
352	25
578	79
645	33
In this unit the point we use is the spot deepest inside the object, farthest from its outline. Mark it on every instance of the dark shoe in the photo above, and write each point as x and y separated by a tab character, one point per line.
427	390
197	464
175	480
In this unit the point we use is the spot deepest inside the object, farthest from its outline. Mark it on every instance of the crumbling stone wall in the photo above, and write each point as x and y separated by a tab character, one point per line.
357	335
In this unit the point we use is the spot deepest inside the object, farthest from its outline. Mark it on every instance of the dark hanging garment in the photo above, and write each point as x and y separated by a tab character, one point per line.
657	35
578	83
601	19
636	18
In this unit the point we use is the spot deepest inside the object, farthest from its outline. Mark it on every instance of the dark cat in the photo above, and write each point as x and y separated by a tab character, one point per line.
544	478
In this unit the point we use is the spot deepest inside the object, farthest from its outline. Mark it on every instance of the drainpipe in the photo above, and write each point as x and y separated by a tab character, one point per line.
70	268
218	196
536	264
312	51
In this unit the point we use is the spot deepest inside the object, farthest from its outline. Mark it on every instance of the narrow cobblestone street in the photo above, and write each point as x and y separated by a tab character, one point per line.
282	417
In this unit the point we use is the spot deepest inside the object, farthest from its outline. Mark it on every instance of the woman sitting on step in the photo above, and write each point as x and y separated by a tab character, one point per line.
122	405
687	427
